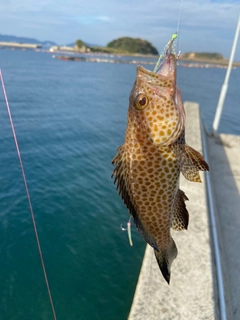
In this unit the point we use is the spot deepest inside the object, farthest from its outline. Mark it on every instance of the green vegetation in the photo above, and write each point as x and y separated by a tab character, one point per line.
202	56
107	50
80	44
132	45
126	46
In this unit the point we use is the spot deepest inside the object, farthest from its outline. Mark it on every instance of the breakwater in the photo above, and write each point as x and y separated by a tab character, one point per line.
123	61
16	45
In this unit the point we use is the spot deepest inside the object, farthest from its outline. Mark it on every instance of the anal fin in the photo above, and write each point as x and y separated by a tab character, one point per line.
143	231
180	215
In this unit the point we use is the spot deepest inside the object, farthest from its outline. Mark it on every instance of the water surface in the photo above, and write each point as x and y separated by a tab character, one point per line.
69	118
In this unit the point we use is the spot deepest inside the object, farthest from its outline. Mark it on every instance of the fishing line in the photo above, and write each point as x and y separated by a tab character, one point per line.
28	196
179	23
171	43
169	46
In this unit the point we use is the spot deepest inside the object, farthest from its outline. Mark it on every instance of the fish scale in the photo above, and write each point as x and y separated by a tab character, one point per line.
148	164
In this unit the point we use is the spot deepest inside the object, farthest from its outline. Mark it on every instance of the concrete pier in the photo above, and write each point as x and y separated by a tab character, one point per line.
192	290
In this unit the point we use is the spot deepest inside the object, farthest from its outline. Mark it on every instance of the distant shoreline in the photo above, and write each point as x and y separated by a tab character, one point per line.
210	61
193	60
112	59
14	45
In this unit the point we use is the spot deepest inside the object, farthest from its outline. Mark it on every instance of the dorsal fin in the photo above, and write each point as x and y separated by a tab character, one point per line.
120	173
190	161
180	215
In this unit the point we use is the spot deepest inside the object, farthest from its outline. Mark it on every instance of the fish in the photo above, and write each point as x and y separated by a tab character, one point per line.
148	163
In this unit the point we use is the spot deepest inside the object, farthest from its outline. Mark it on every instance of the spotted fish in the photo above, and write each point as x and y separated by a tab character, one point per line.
148	164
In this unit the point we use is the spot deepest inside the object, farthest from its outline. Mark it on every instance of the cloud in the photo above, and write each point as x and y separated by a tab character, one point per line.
104	18
205	24
90	19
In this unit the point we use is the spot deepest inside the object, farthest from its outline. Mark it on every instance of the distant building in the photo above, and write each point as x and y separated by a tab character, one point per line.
61	48
69	49
82	49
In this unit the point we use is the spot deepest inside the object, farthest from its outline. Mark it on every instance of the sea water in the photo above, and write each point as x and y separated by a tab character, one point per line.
70	117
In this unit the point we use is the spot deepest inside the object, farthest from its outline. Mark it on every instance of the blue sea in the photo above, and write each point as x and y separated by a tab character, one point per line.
69	118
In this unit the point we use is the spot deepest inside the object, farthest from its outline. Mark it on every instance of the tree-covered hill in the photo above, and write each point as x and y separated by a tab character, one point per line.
132	45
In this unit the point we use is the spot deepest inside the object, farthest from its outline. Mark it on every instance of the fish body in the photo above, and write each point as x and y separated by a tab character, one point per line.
148	164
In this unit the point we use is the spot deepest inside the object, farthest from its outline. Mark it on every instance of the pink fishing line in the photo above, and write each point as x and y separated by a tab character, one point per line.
28	196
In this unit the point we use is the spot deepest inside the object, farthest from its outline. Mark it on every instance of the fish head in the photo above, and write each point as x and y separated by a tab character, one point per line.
155	111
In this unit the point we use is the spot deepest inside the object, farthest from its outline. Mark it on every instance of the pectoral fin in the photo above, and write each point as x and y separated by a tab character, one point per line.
190	162
180	214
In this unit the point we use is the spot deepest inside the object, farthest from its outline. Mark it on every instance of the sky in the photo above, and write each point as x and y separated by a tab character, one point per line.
206	25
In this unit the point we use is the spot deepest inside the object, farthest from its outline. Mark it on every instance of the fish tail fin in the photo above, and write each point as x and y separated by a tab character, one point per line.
165	258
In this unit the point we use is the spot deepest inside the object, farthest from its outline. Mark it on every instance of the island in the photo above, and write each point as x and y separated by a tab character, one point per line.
127	45
122	46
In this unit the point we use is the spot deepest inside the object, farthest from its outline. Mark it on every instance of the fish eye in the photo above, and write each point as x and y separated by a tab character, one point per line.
141	101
